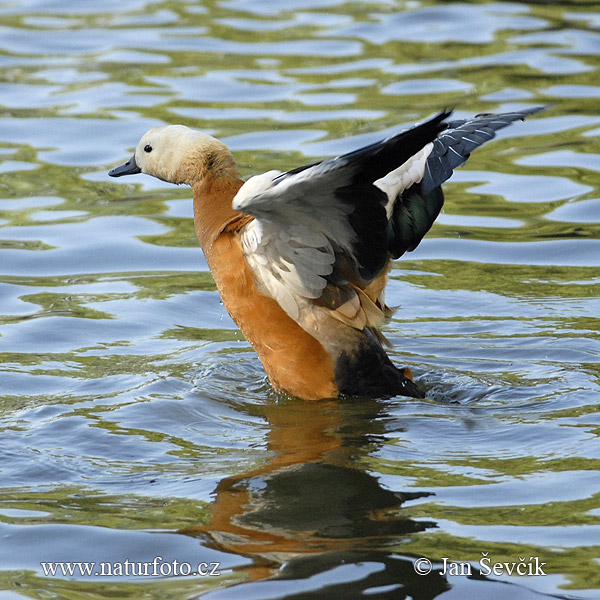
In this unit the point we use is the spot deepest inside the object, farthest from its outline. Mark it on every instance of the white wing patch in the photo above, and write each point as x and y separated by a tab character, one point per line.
291	245
289	264
300	227
400	179
254	187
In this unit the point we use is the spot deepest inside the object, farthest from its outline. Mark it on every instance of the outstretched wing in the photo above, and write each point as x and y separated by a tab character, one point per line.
325	232
419	205
325	224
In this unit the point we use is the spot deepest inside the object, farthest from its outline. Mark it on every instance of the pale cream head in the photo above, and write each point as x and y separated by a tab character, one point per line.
178	154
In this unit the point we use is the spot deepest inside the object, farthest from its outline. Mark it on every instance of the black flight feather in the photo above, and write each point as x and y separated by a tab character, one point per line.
418	207
369	218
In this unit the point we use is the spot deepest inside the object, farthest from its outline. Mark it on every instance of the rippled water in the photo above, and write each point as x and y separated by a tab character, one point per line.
137	423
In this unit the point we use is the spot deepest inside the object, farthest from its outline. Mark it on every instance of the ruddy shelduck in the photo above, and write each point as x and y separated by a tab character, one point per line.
301	258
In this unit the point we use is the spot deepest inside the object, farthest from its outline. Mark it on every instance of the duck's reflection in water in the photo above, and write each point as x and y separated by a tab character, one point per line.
313	508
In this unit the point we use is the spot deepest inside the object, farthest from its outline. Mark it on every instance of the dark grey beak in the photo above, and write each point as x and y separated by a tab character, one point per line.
129	168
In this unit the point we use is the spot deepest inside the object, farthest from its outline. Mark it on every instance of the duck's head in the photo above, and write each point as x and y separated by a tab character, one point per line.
177	154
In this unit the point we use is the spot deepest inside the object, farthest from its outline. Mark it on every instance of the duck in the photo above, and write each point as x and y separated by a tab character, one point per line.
301	258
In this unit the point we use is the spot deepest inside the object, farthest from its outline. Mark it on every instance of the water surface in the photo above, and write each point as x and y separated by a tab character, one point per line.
136	421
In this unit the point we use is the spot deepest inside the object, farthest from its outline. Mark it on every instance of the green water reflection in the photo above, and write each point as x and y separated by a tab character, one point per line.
135	420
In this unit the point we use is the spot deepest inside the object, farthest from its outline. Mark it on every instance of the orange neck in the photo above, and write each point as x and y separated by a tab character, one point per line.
212	207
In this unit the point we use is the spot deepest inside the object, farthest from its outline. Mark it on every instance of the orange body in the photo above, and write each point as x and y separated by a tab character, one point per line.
294	360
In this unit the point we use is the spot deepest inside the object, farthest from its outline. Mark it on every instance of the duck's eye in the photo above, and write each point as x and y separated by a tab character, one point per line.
147	148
